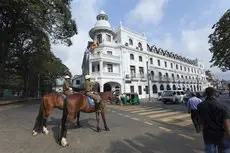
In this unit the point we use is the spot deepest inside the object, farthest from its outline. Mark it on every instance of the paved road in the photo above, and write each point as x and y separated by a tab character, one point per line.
131	131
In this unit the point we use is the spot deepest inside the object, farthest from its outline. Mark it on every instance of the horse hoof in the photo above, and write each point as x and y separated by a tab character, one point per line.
107	129
64	142
34	133
98	130
78	126
45	131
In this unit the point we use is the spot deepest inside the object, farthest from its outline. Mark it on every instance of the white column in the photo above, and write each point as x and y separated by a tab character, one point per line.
101	68
90	67
101	87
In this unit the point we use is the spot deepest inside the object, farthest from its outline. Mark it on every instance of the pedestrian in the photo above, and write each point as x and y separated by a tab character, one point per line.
215	119
192	108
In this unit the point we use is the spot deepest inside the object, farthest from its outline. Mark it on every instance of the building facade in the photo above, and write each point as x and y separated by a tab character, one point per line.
124	60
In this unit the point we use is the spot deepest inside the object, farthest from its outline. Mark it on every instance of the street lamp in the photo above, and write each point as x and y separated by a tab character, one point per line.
147	65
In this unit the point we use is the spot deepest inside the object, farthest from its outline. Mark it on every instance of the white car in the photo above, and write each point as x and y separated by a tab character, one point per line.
173	96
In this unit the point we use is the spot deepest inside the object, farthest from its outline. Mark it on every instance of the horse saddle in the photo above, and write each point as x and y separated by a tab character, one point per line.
90	101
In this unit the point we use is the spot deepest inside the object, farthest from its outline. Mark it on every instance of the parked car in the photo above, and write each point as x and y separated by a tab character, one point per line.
173	96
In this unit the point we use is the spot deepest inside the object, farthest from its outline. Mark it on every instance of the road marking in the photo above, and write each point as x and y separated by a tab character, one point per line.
120	114
154	112
114	111
132	109
146	110
148	123
126	116
184	123
167	119
136	119
185	136
165	129
163	114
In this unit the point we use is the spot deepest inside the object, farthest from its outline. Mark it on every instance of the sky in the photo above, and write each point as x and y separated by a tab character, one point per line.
179	26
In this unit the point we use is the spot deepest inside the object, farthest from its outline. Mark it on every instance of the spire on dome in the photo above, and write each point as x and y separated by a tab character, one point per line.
102	12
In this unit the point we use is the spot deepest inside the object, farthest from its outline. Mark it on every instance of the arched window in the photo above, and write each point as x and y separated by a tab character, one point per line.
99	38
140	58
151	60
154	88
162	87
140	46
168	87
130	42
178	76
172	75
174	87
167	75
131	56
152	73
160	74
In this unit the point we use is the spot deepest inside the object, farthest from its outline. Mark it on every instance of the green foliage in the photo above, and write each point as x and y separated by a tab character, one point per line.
27	27
220	43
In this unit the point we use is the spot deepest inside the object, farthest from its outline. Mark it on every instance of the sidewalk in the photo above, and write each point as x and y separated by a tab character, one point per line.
7	102
146	100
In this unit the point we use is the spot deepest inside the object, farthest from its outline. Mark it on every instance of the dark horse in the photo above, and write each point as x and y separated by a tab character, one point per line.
78	103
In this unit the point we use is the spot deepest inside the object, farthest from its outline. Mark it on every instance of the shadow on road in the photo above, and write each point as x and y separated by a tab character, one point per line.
85	123
149	143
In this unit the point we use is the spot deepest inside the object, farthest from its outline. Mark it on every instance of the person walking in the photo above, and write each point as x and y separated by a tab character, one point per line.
215	120
192	108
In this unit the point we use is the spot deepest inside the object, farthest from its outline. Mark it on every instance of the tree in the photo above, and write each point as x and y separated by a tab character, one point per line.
17	16
220	43
26	29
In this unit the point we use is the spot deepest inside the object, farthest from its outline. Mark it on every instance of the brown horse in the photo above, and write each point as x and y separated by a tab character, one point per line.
77	103
50	101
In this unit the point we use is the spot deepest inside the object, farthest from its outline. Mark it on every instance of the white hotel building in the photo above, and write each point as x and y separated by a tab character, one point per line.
120	62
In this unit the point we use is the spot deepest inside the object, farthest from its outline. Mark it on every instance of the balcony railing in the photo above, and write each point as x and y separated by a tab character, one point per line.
138	75
107	74
106	57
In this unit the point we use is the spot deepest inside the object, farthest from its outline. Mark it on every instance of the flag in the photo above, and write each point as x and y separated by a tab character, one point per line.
94	45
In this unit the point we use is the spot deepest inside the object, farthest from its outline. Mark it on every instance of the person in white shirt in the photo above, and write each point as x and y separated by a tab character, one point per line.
192	108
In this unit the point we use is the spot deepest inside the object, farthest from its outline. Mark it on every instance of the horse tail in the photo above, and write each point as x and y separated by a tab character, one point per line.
39	120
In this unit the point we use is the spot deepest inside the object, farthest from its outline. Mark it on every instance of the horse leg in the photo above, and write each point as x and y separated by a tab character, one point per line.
104	120
64	127
78	125
44	128
98	120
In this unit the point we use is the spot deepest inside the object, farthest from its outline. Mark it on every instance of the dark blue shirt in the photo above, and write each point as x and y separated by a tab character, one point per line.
212	114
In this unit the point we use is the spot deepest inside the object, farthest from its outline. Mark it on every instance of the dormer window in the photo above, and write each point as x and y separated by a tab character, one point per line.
130	42
140	46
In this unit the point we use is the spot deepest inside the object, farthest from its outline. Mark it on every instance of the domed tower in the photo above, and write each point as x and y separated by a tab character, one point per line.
102	31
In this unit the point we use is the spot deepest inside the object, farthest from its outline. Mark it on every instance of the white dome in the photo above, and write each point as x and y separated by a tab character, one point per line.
102	23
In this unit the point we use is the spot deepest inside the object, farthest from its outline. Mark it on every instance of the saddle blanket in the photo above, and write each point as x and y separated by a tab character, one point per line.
90	101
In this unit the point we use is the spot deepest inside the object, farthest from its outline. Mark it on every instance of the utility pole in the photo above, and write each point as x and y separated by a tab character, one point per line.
147	65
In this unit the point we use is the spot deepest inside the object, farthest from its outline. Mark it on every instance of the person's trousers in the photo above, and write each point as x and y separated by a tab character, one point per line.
223	147
196	120
95	97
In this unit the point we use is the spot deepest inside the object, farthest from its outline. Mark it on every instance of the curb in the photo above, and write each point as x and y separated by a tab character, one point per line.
2	103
